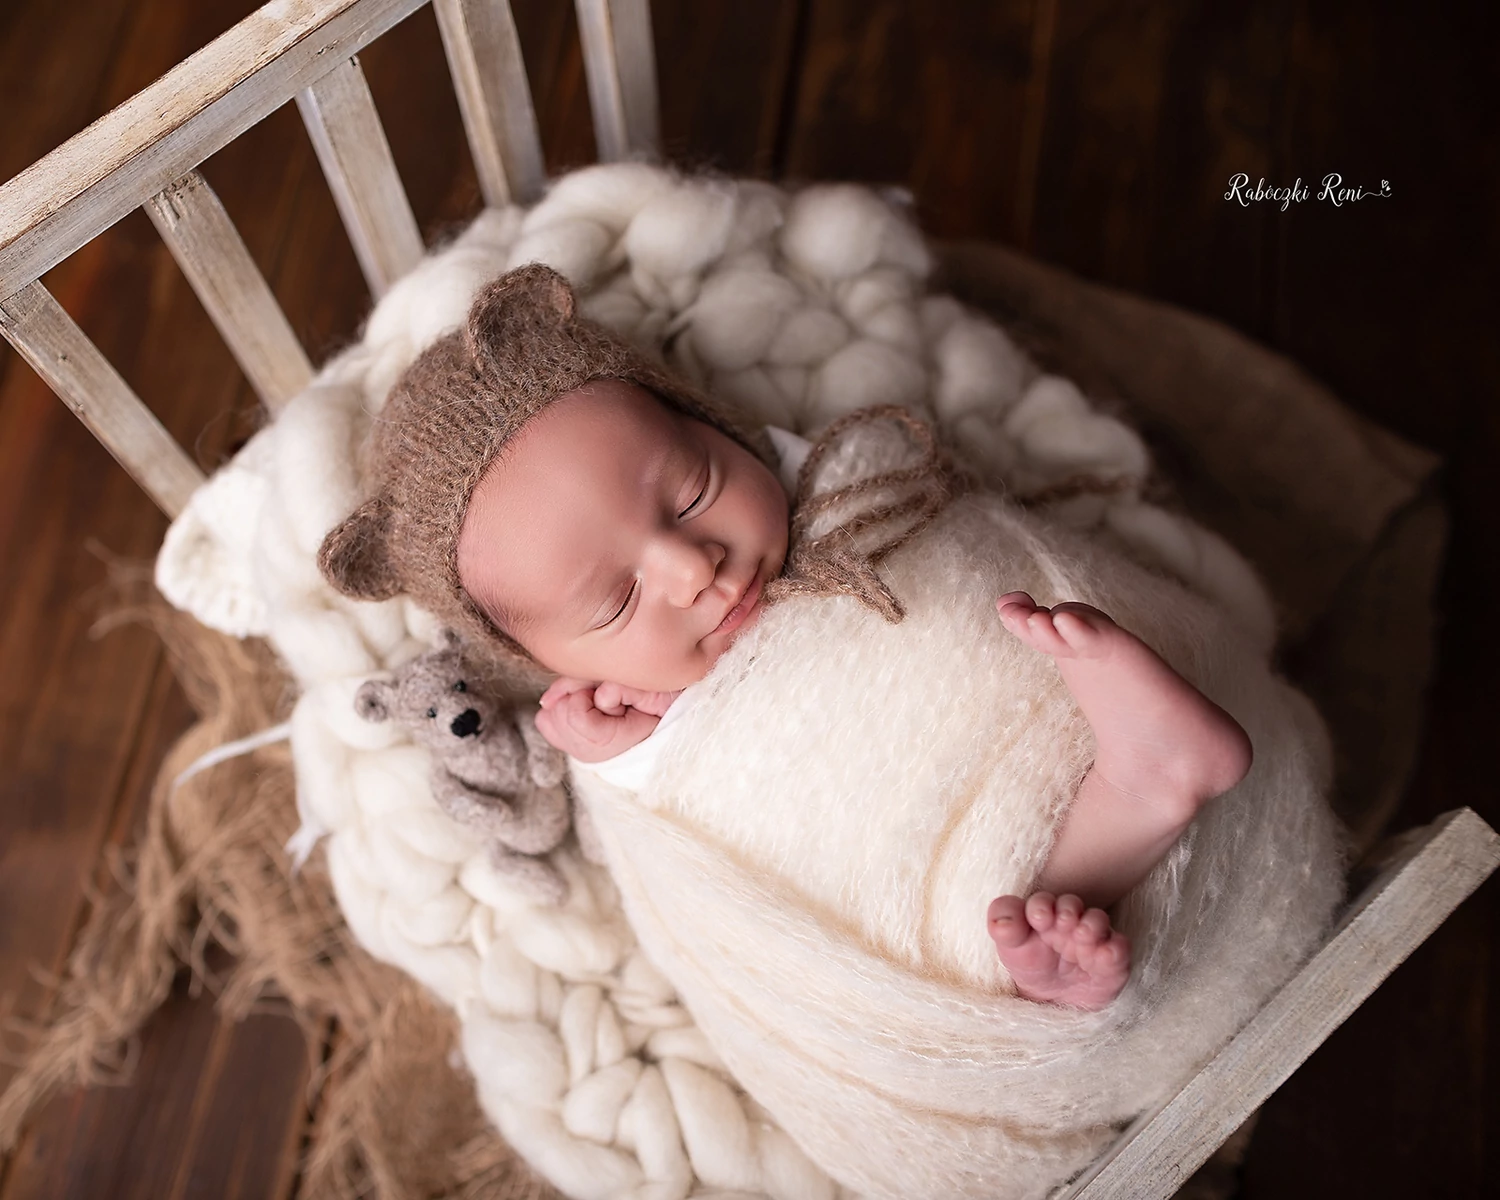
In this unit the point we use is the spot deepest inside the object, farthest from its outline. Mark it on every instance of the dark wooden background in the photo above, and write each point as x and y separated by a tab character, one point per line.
1098	134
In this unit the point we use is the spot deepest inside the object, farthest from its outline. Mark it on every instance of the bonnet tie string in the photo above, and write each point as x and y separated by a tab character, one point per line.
842	561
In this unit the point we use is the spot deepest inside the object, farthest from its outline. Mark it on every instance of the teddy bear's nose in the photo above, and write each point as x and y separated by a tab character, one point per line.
466	723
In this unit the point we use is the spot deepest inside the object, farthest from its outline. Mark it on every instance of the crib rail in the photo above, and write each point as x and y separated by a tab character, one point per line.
484	58
130	154
1435	872
73	367
145	153
212	255
340	116
621	68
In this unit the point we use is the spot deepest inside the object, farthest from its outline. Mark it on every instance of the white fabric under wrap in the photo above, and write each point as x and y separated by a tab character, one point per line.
844	977
811	861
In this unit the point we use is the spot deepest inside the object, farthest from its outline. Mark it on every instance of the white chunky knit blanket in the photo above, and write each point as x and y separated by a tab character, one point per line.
800	306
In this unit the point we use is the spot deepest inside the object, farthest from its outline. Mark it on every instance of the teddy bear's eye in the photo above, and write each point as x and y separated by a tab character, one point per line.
432	712
460	686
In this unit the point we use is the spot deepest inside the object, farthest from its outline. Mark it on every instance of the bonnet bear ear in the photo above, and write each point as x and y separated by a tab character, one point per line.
529	297
355	556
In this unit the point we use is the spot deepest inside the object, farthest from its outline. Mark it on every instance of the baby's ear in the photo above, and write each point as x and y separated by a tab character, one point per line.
529	297
355	556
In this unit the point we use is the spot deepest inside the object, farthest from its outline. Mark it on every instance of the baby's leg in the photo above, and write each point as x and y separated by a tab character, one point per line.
1163	750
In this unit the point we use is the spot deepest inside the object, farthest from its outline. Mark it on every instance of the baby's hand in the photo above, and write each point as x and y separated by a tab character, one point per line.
596	721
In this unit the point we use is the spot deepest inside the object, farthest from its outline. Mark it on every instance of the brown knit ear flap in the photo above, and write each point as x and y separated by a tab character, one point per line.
534	295
354	556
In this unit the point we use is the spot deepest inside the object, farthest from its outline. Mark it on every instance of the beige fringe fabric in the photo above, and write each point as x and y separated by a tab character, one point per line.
393	1119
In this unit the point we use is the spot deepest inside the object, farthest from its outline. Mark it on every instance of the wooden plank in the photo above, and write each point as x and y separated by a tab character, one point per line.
1098	177
250	1118
46	337
489	77
134	151
340	116
212	255
1396	913
134	1141
725	90
216	1108
932	98
559	89
160	716
620	61
53	61
1223	88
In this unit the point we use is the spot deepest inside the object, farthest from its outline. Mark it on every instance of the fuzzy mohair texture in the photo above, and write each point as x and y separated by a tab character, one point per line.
811	860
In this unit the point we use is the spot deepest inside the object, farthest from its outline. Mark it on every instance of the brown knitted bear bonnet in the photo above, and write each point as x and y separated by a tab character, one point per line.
522	347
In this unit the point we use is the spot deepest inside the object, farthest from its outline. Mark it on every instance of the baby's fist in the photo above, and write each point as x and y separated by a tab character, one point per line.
593	722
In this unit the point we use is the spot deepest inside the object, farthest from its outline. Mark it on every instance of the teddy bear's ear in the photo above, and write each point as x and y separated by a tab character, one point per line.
355	556
521	300
373	700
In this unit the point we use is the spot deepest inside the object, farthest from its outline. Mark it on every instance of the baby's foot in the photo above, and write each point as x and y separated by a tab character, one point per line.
1159	738
1057	951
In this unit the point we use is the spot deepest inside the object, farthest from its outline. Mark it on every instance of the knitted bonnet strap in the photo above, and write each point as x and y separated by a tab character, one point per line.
842	561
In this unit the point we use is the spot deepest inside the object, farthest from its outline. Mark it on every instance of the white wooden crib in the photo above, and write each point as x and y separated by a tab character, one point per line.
146	153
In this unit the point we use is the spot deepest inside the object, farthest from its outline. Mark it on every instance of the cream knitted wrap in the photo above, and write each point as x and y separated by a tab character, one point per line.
811	862
801	307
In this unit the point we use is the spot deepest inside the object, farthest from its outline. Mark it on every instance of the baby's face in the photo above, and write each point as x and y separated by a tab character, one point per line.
615	539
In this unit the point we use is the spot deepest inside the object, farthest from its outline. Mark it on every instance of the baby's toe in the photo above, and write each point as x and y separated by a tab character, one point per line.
1041	634
1082	627
1008	924
1069	911
1020	603
1041	911
1107	958
1093	926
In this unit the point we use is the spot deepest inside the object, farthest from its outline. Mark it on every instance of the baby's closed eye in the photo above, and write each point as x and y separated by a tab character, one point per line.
706	476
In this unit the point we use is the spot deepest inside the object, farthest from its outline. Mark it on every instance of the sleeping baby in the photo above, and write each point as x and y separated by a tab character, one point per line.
823	776
626	546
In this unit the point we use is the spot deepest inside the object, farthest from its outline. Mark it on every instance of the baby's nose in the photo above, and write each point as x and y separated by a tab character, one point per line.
694	569
466	723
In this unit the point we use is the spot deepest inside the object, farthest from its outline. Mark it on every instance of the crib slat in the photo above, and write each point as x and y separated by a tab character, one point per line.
489	76
212	255
135	150
620	61
61	353
1394	915
340	116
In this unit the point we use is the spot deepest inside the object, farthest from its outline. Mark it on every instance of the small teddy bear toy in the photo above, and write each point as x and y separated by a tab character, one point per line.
491	768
